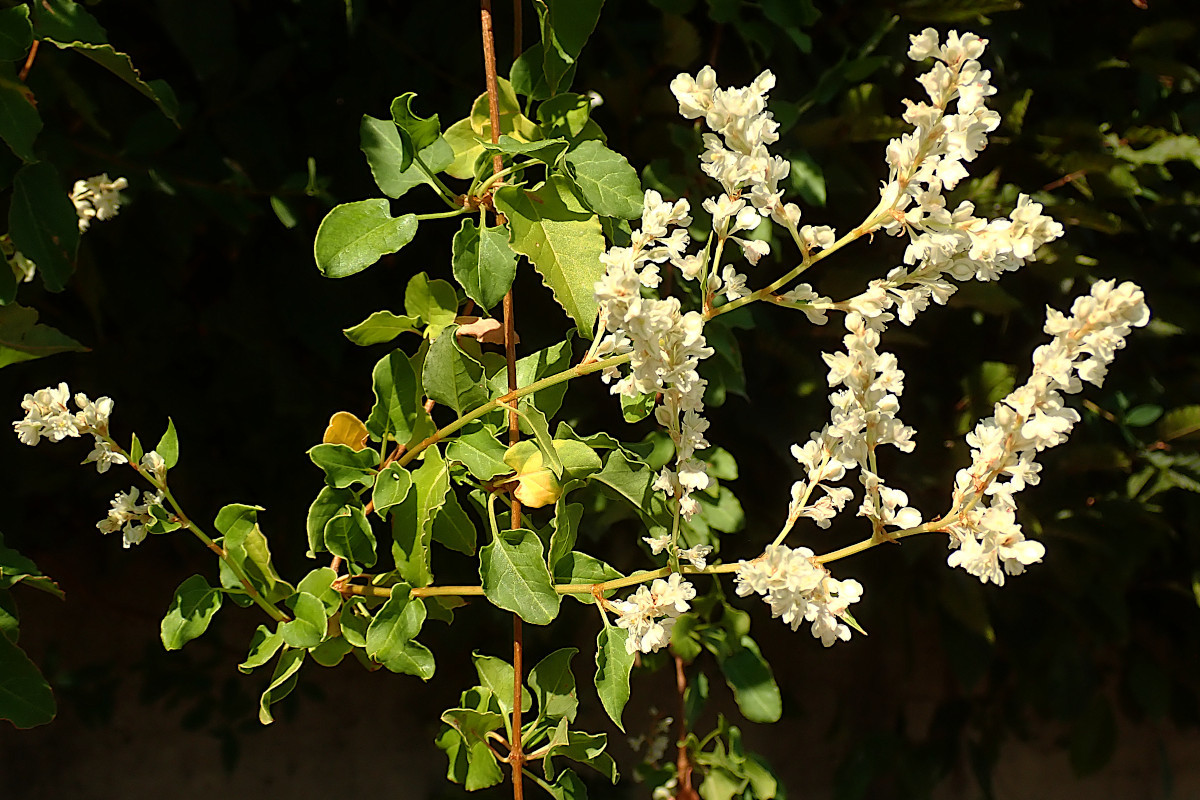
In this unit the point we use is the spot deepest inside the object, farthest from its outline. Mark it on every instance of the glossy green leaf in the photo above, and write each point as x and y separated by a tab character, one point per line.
480	452
610	185
16	33
330	652
395	625
380	327
392	164
328	503
391	487
566	26
66	21
453	378
638	407
345	466
497	675
561	240
453	528
412	520
433	301
353	236
307	627
553	685
467	146
192	609
634	481
613	664
528	76
473	726
348	534
263	646
168	445
43	223
545	150
421	131
247	545
566	115
394	383
283	681
587	748
552	360
319	583
515	578
23	338
16	568
25	698
20	122
749	676
483	263
535	423
577	567
566	530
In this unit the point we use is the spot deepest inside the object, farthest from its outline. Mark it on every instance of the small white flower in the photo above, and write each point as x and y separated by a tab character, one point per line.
658	543
697	556
97	198
153	463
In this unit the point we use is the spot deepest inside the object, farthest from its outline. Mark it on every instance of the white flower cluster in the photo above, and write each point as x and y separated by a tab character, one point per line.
985	538
862	419
946	243
97	198
665	344
798	589
48	416
649	613
129	516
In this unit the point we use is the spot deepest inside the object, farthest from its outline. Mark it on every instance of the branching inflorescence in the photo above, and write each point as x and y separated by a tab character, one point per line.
649	347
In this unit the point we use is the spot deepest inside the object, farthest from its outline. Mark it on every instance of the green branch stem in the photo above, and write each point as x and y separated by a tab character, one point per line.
205	539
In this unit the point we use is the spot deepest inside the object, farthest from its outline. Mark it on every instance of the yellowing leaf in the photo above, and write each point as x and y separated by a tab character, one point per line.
536	484
345	428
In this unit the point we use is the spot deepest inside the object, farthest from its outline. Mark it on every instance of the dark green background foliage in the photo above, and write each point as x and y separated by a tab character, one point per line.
201	300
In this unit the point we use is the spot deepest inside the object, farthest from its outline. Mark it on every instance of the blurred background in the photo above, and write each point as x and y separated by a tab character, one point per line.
201	301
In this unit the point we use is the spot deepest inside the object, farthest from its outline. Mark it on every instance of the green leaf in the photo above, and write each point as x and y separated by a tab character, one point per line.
529	77
749	676
453	528
451	377
566	26
634	481
1177	423
567	115
471	727
43	223
515	578
638	407
553	685
497	675
16	568
168	446
23	338
609	184
391	634
433	301
561	240
330	652
483	263
467	146
308	625
345	466
20	122
348	534
412	520
353	236
380	327
587	748
543	363
246	545
391	487
394	414
480	452
25	698
66	21
577	567
1143	415
421	131
263	647
613	664
328	503
282	682
545	150
535	423
392	164
16	33
120	64
319	583
566	530
192	609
